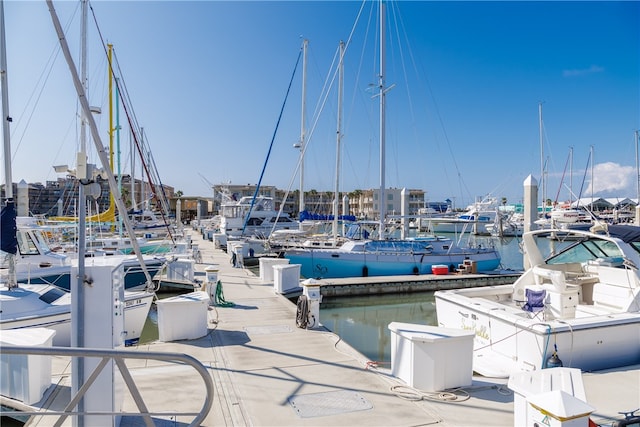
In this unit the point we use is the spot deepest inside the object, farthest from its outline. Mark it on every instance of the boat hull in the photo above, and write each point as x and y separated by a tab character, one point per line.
332	264
36	308
453	226
509	339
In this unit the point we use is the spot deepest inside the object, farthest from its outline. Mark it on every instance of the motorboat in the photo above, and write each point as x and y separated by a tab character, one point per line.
48	306
473	219
37	263
249	216
507	225
577	305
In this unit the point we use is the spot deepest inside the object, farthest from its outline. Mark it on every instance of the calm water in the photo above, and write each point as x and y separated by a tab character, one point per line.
363	321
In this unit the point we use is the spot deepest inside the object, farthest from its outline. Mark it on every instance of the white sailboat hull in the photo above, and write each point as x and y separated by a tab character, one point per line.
45	306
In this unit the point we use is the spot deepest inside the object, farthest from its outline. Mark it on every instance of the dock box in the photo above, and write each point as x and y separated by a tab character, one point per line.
266	267
431	358
25	377
183	317
286	278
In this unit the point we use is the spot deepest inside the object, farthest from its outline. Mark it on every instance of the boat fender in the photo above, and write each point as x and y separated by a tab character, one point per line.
415	269
365	271
554	361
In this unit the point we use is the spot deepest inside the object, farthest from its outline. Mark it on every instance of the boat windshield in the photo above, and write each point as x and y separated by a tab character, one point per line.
586	250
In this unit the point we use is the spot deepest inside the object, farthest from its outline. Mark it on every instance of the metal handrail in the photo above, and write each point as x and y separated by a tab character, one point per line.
118	356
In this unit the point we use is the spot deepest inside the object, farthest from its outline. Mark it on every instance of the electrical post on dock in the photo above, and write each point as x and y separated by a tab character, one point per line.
311	291
211	273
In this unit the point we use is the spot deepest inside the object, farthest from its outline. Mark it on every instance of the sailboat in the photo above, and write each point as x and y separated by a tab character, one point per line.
388	257
42	305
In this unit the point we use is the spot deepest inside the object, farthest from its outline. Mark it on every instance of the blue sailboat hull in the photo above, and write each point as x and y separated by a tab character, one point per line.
336	264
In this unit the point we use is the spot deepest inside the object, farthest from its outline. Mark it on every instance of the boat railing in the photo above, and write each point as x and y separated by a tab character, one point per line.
118	357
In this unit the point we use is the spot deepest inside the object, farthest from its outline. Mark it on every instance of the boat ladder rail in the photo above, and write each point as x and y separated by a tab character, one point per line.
118	357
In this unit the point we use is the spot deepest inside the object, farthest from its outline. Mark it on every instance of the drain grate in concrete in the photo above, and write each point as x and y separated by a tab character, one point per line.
269	329
328	403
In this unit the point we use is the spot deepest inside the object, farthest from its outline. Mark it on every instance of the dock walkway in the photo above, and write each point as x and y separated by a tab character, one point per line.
268	372
261	362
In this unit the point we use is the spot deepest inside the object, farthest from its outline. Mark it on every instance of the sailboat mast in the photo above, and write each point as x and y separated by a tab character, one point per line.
381	88
570	176
143	187
82	97
8	216
111	128
542	180
303	130
336	193
133	171
637	168
6	118
592	177
637	217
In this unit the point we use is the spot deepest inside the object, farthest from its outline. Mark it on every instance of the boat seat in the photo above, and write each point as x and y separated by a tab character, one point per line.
544	275
616	298
583	310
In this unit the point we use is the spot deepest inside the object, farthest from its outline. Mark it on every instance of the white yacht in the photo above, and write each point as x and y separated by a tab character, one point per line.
578	306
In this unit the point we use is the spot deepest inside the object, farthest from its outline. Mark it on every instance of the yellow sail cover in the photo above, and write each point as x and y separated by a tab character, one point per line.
107	216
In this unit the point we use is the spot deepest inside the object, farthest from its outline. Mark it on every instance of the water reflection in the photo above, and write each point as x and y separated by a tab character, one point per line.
363	321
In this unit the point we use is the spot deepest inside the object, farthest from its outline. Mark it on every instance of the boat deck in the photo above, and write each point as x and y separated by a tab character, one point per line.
268	372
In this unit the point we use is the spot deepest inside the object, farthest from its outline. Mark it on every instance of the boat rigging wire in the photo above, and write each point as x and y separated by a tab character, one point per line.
273	137
133	125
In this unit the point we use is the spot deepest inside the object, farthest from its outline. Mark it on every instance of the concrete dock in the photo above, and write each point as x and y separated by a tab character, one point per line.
268	372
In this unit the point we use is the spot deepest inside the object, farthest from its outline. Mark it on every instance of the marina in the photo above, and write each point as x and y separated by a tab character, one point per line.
267	371
360	306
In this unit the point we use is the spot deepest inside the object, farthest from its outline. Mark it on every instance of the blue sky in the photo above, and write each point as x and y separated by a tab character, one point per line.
208	79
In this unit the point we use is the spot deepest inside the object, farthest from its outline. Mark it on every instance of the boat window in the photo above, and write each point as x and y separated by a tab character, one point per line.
585	251
52	295
636	246
26	244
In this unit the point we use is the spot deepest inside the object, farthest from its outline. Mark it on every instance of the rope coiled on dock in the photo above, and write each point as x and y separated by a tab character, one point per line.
219	297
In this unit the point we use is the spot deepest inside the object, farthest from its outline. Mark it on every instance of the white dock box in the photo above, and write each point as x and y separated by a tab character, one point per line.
183	317
286	277
266	267
534	386
219	240
431	358
25	377
181	269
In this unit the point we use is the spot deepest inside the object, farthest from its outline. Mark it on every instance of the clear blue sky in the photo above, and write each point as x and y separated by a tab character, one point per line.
208	79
